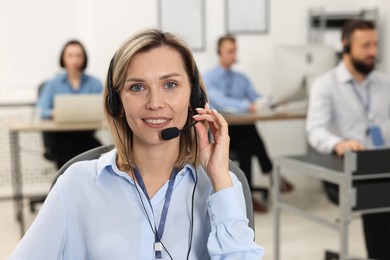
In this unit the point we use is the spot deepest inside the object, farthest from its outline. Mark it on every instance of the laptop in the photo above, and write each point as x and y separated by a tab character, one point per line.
73	108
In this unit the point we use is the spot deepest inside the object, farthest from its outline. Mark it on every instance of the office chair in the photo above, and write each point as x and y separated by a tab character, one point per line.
263	190
95	153
47	154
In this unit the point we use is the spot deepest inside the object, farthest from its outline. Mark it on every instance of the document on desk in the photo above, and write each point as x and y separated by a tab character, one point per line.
296	107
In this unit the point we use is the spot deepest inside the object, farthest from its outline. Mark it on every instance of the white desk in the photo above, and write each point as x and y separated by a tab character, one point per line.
16	127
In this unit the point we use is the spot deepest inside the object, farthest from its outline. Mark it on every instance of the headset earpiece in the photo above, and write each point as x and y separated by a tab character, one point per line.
198	97
347	48
113	97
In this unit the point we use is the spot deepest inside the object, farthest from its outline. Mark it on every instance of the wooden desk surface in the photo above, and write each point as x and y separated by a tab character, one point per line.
51	126
232	119
250	118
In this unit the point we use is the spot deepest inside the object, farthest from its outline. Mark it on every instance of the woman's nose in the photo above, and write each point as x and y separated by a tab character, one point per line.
155	100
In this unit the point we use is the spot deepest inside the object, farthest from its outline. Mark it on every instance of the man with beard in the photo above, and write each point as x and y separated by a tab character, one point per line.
349	109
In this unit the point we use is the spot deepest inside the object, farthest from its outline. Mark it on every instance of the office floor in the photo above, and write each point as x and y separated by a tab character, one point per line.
301	239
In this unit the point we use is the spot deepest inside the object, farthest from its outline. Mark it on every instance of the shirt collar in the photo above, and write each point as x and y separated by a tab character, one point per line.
64	77
108	160
188	169
342	73
221	70
344	76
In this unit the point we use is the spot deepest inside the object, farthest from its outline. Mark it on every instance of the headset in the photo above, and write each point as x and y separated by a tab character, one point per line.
347	48
113	100
349	27
197	98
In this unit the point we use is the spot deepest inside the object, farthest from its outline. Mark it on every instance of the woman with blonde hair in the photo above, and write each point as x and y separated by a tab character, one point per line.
162	192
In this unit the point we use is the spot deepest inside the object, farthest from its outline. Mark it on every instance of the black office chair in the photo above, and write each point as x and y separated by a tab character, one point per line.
97	152
47	154
264	191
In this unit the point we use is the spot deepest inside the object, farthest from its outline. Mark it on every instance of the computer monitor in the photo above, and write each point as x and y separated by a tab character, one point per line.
294	69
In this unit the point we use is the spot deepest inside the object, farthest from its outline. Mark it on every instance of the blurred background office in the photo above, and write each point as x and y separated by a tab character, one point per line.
31	31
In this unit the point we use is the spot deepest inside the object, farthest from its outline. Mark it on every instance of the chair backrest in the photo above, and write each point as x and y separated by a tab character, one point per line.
92	154
47	153
98	151
233	167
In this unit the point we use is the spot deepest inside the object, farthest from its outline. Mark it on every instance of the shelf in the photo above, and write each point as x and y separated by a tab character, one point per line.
322	22
319	17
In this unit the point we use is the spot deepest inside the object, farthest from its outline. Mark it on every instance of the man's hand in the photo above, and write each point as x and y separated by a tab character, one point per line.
353	145
252	108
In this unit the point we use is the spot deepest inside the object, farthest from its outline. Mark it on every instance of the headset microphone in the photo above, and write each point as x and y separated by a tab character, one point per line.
173	132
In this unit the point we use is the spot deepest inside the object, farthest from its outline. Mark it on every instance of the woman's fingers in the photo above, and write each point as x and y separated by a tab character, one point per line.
221	122
216	120
207	114
215	156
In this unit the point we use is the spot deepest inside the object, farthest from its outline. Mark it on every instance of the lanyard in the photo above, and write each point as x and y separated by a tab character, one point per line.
366	104
164	213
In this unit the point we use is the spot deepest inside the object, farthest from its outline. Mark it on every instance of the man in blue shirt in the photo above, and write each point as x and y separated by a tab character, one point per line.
231	92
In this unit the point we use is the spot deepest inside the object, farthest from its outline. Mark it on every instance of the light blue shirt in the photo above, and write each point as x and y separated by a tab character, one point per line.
229	90
60	85
94	212
335	112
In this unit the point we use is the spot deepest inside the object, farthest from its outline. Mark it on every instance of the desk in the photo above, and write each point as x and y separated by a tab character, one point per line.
354	199
16	127
250	118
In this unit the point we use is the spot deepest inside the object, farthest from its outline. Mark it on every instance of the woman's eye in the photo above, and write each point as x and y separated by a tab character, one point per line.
170	85
136	88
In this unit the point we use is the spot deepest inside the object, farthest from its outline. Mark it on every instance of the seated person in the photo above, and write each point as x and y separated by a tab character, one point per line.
63	146
149	198
232	91
349	110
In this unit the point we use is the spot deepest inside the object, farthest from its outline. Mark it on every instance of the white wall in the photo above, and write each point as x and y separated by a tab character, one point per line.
384	7
33	32
29	52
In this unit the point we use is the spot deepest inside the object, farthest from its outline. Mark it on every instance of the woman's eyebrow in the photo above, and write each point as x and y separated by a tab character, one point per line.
134	79
174	74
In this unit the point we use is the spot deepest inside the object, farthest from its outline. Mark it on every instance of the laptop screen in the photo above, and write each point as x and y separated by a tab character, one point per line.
78	108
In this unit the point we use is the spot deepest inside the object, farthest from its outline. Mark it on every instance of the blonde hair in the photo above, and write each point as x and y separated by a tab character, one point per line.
141	42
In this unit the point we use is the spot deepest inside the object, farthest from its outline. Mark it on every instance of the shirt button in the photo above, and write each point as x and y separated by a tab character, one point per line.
209	204
212	217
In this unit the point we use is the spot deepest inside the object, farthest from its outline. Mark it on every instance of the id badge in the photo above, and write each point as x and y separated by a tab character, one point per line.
376	136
